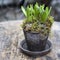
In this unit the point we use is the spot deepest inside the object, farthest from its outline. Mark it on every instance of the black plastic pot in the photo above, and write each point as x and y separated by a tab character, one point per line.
35	41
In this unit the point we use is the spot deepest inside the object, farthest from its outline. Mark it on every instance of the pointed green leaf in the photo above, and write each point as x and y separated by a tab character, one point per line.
24	11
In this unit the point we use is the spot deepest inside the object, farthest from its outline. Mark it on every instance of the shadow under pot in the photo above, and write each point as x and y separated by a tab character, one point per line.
35	41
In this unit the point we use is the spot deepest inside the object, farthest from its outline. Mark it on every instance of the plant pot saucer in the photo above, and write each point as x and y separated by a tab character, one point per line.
25	50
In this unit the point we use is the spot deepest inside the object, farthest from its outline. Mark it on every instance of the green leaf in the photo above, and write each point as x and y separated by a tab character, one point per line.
36	8
44	13
50	10
24	11
51	19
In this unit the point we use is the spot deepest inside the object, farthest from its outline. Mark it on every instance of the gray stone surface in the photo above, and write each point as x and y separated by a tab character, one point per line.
10	13
56	9
11	35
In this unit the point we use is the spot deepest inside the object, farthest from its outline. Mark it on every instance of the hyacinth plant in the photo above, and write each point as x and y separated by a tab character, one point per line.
38	19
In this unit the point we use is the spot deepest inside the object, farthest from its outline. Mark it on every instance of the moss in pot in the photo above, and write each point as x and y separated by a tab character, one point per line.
36	26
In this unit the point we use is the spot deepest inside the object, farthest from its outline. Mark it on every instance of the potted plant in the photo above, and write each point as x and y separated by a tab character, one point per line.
36	26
